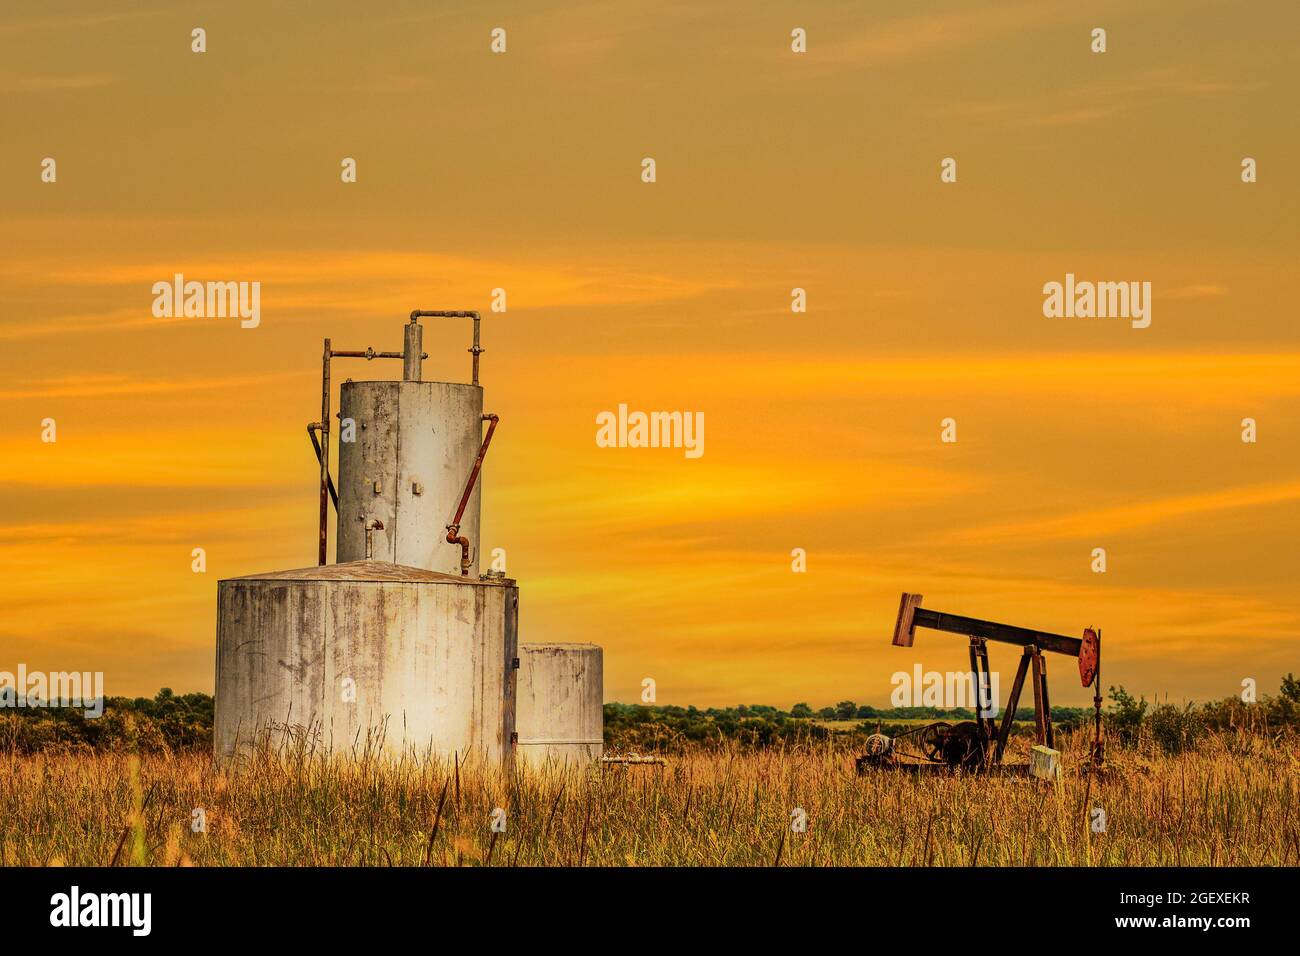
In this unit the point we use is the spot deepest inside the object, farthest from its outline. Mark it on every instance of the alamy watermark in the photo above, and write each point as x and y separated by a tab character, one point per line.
210	300
947	690
84	689
624	429
75	908
1100	300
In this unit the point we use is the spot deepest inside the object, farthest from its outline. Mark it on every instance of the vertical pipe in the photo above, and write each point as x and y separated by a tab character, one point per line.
412	351
476	350
325	454
1097	752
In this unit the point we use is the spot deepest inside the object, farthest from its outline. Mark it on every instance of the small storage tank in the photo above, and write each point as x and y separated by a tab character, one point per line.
369	647
414	446
560	708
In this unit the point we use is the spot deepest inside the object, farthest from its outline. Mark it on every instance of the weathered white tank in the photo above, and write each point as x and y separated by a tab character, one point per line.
369	649
560	709
415	444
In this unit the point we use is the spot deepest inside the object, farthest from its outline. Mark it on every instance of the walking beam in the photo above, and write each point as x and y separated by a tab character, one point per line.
911	616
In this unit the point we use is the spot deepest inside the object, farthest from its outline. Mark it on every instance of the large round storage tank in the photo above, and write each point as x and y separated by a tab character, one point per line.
365	649
415	443
559	714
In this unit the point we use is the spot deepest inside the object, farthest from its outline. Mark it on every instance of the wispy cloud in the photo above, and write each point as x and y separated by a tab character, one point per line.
72	21
1197	291
101	386
302	286
912	36
1092	522
52	83
1101	100
1194	375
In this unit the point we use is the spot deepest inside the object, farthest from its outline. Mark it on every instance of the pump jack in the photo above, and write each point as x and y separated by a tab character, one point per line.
979	745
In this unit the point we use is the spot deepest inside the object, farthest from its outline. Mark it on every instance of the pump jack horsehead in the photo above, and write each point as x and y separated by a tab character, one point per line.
978	745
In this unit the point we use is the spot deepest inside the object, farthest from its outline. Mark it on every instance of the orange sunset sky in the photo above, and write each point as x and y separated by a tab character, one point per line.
774	171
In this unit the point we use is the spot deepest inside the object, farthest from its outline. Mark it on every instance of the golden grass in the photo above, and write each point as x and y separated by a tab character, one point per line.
1234	802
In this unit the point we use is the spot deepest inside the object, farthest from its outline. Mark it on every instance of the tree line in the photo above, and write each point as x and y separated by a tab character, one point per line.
169	722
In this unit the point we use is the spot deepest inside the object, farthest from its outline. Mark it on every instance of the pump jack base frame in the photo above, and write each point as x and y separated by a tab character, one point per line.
932	769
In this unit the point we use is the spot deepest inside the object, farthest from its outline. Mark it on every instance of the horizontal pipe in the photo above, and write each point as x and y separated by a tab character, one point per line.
368	354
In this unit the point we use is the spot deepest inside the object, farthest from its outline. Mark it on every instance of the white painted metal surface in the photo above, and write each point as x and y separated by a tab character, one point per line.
560	709
423	662
415	445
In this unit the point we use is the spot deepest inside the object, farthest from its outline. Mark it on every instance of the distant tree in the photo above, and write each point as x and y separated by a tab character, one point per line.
1291	689
1128	715
801	710
826	713
845	710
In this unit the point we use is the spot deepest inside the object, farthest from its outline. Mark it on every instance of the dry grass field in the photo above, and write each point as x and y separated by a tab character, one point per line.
1234	801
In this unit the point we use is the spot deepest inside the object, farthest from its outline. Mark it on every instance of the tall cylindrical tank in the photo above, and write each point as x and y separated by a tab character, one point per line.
414	445
422	660
559	714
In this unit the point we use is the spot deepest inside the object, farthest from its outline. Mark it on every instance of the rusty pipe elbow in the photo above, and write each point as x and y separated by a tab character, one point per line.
455	537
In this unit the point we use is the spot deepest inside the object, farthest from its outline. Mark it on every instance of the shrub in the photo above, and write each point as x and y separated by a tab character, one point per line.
1176	729
1125	721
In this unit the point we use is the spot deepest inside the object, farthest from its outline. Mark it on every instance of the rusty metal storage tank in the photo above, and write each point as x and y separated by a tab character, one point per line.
559	714
369	648
415	444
